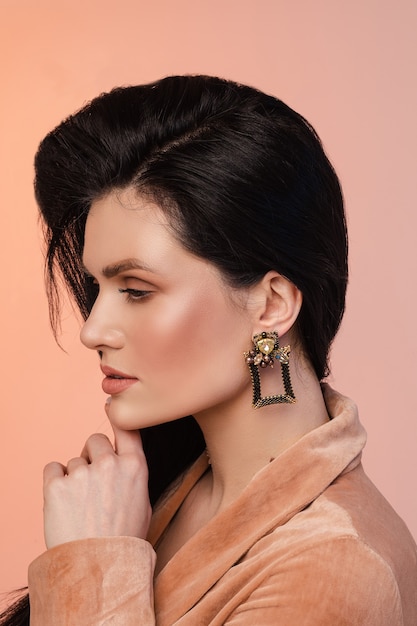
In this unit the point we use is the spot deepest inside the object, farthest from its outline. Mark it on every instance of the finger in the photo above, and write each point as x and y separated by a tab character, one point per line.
74	463
53	470
127	441
96	445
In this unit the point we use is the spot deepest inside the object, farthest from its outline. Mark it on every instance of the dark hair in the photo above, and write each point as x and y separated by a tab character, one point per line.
245	184
18	613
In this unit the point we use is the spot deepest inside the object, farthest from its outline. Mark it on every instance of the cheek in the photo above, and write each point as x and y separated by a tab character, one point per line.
189	357
197	333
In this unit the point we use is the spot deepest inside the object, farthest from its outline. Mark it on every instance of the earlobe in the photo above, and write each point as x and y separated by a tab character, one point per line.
281	303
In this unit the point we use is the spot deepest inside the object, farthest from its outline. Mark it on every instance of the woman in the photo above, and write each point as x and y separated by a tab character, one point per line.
200	228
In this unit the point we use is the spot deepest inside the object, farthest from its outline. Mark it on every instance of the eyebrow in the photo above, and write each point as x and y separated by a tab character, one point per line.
110	271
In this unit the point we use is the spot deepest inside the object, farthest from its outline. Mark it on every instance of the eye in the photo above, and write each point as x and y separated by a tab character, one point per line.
134	295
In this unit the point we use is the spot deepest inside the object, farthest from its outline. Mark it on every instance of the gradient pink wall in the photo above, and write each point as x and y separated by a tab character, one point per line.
349	67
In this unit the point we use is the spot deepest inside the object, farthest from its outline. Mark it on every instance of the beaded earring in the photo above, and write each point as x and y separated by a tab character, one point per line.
265	351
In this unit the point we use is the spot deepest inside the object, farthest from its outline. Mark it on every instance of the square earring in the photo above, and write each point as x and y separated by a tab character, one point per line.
265	351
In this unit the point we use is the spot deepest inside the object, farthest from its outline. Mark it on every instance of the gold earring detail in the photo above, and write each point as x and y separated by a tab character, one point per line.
265	351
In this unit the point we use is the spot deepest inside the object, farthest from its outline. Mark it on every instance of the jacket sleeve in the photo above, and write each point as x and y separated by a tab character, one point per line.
93	581
338	582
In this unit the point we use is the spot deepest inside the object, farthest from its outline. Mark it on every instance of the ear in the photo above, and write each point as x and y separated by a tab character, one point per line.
277	303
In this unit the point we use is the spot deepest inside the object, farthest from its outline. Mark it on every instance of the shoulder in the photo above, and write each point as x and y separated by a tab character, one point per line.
346	558
339	580
350	522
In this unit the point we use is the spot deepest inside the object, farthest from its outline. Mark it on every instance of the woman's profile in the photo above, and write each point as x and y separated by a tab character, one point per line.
200	229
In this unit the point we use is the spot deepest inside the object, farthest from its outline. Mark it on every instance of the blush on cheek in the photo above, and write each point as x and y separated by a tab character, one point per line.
188	328
191	344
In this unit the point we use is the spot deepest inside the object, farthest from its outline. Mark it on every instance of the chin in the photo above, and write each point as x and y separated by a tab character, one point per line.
121	415
126	415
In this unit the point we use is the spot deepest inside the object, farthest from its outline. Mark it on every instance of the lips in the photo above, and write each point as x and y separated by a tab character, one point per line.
115	381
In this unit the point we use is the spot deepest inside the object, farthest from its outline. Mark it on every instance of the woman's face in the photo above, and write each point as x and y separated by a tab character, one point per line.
170	333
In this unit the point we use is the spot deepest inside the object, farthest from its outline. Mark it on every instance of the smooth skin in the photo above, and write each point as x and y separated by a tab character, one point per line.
170	321
102	493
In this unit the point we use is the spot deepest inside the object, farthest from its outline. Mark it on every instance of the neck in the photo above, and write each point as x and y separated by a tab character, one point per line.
241	440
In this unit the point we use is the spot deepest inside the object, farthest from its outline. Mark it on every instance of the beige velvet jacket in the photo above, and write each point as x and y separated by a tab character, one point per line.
310	541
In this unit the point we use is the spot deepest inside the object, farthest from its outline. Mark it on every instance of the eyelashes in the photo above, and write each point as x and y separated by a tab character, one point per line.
93	289
135	295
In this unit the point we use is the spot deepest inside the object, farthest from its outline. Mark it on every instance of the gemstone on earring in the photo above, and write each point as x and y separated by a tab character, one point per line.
265	345
283	355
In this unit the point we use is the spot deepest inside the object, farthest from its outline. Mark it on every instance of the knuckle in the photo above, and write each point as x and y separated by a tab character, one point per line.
79	472
49	466
106	463
96	437
50	471
73	461
53	486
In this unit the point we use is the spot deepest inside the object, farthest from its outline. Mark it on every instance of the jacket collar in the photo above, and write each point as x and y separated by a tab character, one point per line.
275	494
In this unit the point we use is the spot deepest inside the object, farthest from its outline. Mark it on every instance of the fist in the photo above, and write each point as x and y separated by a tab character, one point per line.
102	493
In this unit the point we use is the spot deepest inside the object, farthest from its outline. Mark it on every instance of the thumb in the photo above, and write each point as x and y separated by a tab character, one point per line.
127	441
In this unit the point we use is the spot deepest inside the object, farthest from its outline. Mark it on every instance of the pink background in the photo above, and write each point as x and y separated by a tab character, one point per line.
349	67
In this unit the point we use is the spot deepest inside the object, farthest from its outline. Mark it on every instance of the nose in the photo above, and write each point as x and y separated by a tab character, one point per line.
100	331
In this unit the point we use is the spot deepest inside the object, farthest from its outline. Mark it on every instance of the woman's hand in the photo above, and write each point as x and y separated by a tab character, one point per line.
102	493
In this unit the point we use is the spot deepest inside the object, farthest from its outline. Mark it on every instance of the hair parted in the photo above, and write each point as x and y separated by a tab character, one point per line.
242	178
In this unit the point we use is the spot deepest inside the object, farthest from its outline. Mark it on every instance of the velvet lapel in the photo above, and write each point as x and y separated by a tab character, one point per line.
275	494
166	509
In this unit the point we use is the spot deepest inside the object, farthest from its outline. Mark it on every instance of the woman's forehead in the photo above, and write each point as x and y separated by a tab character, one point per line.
125	231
